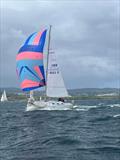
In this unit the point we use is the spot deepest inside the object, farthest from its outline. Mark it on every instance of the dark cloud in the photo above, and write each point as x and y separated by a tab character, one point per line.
85	37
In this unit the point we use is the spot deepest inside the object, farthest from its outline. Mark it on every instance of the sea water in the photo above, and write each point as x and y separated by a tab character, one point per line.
91	131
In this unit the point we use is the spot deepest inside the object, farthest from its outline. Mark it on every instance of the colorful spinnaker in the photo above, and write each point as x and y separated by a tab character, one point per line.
29	59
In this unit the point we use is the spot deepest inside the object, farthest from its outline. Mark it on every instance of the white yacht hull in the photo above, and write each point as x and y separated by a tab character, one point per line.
49	105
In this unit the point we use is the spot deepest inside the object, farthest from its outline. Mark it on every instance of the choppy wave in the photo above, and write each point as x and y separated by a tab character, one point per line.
116	115
88	131
114	105
80	107
84	107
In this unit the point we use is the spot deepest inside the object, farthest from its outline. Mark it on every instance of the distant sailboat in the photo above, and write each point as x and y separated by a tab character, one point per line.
30	70
4	97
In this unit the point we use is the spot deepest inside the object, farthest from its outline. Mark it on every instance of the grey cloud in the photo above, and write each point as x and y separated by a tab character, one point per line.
85	37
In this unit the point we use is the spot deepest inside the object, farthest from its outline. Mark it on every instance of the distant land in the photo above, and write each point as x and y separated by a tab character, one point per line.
76	94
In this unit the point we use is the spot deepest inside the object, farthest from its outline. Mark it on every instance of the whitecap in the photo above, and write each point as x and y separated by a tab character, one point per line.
114	105
81	109
84	107
117	115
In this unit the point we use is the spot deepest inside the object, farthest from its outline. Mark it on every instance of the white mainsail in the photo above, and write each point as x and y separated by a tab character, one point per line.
55	83
4	97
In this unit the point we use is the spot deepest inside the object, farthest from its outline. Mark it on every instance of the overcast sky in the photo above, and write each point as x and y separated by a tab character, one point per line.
85	37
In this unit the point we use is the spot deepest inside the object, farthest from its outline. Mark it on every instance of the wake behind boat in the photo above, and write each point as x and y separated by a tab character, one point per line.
31	72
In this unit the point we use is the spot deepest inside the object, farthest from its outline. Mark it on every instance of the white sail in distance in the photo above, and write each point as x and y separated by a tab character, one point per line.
4	97
55	83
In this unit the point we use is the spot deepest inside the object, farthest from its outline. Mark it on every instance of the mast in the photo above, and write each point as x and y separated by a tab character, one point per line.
48	50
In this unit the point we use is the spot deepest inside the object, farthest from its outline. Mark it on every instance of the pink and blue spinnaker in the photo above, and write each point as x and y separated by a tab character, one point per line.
29	67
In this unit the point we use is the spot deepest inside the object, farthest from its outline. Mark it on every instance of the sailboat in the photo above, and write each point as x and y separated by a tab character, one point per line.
31	72
4	97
